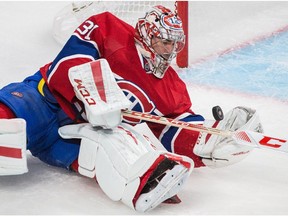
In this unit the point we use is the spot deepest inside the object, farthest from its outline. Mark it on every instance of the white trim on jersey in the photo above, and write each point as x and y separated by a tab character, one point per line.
64	59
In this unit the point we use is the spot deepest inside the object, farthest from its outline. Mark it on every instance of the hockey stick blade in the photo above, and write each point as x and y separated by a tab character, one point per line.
260	140
250	138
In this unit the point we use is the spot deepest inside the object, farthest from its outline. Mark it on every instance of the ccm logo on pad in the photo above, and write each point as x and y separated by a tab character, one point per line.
84	92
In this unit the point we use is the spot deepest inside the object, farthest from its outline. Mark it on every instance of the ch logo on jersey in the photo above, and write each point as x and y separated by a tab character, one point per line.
140	100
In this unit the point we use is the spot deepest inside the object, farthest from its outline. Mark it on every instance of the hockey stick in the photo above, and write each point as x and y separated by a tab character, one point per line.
96	67
243	137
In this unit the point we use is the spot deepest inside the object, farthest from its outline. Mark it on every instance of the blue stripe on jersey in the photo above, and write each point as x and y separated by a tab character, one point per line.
75	46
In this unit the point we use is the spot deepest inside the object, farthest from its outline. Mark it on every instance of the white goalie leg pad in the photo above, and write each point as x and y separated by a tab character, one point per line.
95	85
218	151
110	153
13	159
122	157
88	148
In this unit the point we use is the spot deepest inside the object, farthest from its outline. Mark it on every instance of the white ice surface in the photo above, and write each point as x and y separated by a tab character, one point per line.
258	185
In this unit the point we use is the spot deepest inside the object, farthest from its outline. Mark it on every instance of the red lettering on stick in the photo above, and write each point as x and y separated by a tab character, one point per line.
268	141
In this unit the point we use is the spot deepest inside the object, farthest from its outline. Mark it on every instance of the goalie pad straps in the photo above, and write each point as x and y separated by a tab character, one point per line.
13	159
95	85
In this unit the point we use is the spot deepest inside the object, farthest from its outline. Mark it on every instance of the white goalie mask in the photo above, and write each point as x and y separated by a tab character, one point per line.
159	36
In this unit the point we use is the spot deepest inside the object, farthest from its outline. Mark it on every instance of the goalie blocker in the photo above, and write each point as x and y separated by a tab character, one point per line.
94	84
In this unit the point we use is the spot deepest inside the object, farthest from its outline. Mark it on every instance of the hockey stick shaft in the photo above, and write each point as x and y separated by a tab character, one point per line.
173	122
244	137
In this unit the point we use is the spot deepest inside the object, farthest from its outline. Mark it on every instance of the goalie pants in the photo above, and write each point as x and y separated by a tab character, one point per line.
43	119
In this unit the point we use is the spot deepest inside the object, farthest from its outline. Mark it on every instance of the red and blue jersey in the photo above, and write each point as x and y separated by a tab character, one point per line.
106	36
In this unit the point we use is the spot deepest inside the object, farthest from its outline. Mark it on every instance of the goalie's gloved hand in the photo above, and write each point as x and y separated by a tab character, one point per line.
94	84
218	151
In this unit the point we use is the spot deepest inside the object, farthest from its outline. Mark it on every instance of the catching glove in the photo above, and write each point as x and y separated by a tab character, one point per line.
217	151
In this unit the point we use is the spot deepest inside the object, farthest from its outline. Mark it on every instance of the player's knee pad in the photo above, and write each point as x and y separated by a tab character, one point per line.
123	162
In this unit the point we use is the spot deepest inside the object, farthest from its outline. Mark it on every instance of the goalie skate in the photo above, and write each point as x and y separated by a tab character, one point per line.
164	182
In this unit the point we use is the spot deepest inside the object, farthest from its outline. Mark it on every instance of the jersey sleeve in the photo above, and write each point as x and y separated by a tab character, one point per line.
95	38
179	140
82	47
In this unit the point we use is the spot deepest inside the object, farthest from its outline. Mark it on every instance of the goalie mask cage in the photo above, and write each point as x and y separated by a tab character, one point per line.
75	13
